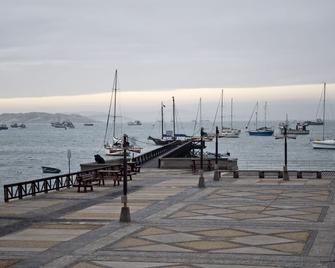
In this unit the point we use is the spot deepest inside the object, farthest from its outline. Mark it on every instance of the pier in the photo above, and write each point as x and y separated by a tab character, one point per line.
233	222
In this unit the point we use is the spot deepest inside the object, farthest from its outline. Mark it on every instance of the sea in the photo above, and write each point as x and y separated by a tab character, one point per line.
24	151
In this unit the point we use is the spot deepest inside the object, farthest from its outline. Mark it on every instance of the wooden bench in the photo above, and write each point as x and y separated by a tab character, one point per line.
87	180
318	174
110	174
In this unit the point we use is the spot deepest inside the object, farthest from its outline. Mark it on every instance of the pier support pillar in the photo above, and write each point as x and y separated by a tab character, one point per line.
201	183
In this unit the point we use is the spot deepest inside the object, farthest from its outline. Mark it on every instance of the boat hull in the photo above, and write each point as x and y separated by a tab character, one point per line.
326	144
50	170
260	132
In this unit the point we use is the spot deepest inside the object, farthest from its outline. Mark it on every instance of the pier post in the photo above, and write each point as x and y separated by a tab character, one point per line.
201	183
216	167
125	211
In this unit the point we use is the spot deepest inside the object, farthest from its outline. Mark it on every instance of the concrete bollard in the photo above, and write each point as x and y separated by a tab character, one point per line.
201	183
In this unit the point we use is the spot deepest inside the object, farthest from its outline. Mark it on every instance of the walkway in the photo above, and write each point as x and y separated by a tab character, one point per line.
245	222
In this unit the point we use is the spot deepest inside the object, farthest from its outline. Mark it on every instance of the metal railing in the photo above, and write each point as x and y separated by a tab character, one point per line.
55	183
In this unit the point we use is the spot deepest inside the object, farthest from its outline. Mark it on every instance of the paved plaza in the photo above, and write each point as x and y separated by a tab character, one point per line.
245	222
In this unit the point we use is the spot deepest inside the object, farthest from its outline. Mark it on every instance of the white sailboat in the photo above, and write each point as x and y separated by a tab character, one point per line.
115	148
324	143
228	132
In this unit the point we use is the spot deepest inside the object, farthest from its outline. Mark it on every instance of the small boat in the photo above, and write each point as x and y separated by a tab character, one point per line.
317	122
3	127
50	170
135	123
88	124
300	129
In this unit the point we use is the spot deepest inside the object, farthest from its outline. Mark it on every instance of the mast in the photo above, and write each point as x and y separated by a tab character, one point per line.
231	113
200	113
256	114
162	118
114	115
265	106
174	118
324	111
222	109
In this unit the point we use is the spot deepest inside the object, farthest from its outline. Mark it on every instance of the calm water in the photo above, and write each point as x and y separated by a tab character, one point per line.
24	151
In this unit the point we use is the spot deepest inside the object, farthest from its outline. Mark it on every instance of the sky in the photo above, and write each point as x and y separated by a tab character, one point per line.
65	52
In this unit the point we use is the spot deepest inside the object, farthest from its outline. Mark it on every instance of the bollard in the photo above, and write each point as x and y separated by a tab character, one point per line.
201	183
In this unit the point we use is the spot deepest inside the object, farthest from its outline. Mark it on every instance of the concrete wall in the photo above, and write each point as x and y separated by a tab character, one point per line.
187	163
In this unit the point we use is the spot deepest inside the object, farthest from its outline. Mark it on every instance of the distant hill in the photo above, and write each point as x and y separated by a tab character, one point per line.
36	117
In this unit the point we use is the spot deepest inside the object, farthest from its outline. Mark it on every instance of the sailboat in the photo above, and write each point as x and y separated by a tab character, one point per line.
317	121
165	139
206	137
262	131
329	143
168	136
228	132
115	148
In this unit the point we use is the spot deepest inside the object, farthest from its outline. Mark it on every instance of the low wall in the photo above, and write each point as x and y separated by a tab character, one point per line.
188	163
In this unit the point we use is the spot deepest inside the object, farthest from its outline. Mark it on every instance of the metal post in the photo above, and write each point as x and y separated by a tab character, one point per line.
285	173
216	167
201	183
125	212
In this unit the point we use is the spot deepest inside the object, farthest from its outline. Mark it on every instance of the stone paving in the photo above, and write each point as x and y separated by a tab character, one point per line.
245	222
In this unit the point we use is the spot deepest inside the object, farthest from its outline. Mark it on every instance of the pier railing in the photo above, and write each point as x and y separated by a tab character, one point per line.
55	183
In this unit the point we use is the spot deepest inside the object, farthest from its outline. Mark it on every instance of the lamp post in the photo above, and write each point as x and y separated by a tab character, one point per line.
125	212
285	173
216	167
201	183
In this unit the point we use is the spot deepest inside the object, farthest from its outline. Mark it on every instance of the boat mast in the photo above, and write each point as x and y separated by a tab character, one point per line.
222	109
200	113
324	111
115	89
109	112
162	118
174	118
231	113
256	114
265	106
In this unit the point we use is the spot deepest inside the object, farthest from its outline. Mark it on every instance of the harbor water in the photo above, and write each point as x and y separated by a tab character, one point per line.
24	151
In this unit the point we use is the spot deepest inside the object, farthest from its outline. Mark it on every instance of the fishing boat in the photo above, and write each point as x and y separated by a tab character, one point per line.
115	148
170	135
300	129
324	143
50	170
262	131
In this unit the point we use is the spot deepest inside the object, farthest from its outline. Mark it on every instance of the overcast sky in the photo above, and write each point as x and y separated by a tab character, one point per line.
72	48
69	47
